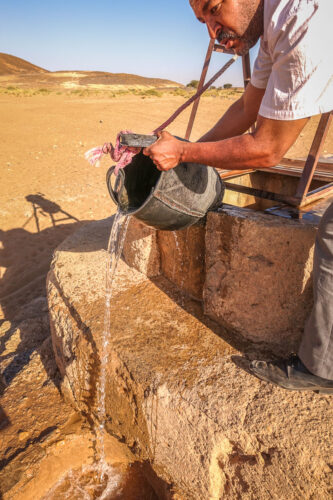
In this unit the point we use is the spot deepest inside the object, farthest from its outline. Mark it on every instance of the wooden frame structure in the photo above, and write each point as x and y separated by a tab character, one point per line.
305	170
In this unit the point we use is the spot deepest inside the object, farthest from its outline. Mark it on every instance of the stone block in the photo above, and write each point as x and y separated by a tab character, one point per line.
174	393
183	258
140	249
258	274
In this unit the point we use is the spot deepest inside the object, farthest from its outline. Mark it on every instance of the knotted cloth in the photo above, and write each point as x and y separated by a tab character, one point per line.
122	155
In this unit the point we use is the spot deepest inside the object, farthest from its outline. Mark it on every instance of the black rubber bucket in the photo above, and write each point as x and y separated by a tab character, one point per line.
170	200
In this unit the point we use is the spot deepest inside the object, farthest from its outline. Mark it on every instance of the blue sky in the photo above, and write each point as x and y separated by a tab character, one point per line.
150	38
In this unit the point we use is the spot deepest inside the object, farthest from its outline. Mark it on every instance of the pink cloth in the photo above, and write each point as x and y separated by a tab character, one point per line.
122	155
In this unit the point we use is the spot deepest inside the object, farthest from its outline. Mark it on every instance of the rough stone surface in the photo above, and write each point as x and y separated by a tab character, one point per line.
140	249
175	393
183	258
258	274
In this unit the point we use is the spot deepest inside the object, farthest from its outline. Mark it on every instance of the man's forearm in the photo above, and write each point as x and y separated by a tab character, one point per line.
237	153
261	149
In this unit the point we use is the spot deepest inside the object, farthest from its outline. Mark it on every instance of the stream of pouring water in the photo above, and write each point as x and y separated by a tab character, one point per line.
115	247
98	481
181	285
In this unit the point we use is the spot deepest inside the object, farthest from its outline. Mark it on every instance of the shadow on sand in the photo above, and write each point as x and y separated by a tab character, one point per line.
25	258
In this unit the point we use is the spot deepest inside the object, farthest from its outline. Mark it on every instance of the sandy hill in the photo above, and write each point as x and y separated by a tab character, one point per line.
16	71
104	78
12	65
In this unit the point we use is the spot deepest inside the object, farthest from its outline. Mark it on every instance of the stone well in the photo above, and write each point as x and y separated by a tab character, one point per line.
185	310
250	270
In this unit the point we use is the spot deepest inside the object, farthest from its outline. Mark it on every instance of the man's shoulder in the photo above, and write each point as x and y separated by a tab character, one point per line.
279	12
285	7
289	18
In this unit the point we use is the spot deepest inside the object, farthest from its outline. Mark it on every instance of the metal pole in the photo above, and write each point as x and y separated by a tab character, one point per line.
246	69
313	157
201	84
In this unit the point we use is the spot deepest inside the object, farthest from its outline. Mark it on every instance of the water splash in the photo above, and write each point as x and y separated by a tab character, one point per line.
85	483
98	481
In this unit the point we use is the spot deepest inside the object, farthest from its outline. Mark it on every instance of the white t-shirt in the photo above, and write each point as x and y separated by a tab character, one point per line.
295	62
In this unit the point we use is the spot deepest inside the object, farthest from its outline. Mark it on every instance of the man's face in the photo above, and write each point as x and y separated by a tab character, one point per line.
236	24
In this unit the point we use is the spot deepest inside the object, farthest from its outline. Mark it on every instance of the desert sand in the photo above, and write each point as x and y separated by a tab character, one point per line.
47	190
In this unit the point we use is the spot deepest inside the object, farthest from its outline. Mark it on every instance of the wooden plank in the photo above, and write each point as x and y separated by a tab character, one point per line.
317	194
279	170
297	172
260	193
229	174
322	165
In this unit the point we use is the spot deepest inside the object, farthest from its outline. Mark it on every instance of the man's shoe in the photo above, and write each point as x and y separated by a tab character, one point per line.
291	374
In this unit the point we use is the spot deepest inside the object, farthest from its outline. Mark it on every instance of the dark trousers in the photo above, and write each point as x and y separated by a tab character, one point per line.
316	349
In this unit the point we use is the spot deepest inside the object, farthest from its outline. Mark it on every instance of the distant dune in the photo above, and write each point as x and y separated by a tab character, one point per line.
12	65
16	71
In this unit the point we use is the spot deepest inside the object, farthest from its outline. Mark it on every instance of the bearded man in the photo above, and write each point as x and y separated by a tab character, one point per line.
292	81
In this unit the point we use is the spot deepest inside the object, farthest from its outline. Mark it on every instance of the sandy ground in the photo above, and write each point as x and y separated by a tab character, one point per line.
47	190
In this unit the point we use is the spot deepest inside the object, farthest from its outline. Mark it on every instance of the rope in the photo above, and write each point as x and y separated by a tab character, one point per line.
123	155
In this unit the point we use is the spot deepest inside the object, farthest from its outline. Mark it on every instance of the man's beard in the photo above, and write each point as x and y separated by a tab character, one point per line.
247	43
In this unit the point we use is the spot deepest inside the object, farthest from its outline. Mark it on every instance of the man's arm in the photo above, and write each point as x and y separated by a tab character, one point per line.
224	147
262	149
241	115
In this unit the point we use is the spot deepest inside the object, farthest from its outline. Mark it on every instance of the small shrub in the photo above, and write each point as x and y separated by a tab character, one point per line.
151	93
181	92
193	83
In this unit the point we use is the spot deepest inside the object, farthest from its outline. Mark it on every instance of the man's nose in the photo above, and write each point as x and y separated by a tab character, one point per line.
212	27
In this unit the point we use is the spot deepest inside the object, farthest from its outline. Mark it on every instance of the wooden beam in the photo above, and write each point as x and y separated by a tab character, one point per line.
201	84
246	69
229	174
313	157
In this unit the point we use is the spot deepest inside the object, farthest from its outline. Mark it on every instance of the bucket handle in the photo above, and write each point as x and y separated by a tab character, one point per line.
119	185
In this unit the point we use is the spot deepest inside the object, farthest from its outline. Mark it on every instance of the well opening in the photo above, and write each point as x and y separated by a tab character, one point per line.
281	184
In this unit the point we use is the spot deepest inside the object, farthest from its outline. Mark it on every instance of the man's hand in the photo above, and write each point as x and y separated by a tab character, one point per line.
166	152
